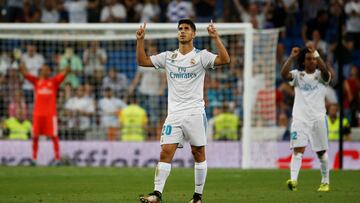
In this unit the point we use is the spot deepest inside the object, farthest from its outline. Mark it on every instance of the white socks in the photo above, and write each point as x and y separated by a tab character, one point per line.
324	168
295	165
163	170
161	173
200	170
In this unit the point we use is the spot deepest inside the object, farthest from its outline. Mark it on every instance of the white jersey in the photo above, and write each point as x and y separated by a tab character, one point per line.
185	76
310	91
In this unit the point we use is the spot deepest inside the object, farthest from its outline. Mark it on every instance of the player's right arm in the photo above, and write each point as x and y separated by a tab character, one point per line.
141	58
286	68
23	70
25	73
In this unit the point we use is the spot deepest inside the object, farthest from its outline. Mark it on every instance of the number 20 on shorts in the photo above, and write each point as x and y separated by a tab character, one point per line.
166	130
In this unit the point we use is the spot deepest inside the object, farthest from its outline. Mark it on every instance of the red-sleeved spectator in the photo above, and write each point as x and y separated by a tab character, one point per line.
44	115
352	95
16	103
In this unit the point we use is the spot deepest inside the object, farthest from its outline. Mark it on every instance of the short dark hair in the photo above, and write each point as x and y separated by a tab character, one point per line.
189	22
301	58
108	89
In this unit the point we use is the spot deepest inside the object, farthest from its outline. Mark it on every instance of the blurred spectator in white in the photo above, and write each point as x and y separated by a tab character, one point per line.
110	108
133	8
14	10
352	10
252	13
69	57
79	110
117	82
149	85
31	11
150	11
33	61
17	127
5	63
205	10
179	9
330	96
77	9
114	11
94	58
65	93
319	43
16	103
88	90
49	12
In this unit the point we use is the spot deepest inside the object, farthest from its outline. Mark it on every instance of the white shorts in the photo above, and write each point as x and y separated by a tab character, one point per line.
180	128
315	132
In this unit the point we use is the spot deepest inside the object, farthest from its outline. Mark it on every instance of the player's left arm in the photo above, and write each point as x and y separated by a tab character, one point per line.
67	69
223	56
324	69
59	78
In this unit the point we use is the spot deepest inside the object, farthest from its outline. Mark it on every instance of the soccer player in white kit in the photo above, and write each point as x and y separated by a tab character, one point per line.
309	114
186	120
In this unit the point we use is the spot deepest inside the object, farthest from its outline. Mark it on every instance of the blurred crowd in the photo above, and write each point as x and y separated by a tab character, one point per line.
132	107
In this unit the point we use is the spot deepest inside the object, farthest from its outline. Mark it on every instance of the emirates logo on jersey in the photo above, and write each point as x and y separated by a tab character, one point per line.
45	91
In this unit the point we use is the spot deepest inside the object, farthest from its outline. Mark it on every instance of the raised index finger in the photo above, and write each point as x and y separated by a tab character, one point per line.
144	25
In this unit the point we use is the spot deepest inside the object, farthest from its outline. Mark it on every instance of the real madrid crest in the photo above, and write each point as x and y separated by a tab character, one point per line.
173	57
192	62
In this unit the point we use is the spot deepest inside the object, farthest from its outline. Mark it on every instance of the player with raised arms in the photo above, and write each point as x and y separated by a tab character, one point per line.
186	120
309	114
45	113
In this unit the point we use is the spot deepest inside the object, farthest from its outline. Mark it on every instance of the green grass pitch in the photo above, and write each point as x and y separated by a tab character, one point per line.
123	185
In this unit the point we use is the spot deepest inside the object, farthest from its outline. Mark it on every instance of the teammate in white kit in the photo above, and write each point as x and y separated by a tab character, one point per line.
186	120
309	114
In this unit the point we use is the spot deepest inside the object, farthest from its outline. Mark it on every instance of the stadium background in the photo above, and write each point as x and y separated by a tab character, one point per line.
131	171
300	22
